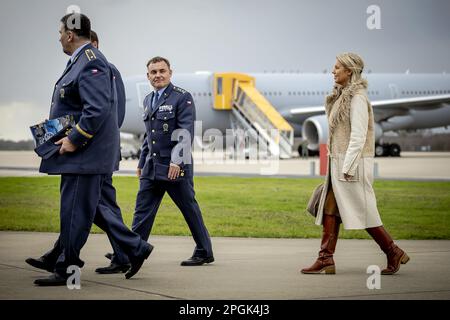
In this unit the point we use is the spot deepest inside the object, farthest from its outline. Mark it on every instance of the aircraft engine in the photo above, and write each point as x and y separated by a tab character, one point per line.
315	131
378	131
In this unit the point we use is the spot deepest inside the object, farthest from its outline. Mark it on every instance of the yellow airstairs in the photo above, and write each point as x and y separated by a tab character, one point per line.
250	111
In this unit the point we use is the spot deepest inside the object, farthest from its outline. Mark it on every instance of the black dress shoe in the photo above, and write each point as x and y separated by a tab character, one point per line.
109	255
53	280
113	268
40	263
197	261
136	264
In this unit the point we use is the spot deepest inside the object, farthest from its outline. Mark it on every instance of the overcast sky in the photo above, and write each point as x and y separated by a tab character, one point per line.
213	35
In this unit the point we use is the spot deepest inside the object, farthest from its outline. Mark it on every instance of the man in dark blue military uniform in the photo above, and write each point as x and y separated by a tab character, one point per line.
165	163
89	154
120	263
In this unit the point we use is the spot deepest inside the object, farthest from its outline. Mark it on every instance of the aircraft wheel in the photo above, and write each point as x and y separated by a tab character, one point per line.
394	150
379	150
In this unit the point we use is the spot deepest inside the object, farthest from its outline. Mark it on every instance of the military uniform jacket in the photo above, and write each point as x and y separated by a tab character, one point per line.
174	110
87	90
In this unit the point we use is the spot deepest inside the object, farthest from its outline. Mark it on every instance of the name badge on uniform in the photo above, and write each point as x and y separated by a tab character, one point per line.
61	93
165	127
167	107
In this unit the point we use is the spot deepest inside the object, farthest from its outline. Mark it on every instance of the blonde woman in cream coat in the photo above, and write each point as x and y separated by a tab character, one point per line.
349	196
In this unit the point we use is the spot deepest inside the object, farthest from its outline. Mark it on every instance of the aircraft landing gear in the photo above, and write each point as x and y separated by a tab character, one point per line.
387	149
303	151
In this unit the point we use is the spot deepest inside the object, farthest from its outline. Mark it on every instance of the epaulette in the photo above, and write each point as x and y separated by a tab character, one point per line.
90	54
179	89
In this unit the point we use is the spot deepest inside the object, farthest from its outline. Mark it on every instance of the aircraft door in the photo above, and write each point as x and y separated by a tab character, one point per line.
394	90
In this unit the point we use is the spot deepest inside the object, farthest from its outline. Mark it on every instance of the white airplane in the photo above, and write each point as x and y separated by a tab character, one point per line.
294	104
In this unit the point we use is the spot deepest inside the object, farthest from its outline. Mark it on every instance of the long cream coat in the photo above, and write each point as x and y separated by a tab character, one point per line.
351	150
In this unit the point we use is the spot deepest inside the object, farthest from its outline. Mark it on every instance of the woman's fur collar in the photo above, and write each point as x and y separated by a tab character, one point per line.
341	110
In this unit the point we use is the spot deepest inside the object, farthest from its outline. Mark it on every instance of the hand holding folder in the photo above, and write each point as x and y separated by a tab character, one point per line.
48	132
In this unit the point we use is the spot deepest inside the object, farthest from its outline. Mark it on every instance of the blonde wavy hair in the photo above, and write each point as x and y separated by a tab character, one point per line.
352	62
355	64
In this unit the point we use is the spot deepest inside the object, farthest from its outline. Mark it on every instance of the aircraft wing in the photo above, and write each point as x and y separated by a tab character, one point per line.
307	111
417	103
389	107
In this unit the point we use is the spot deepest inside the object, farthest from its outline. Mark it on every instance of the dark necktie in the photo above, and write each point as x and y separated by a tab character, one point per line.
155	100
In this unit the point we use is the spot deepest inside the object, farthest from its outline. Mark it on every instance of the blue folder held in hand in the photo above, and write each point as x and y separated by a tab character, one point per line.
48	132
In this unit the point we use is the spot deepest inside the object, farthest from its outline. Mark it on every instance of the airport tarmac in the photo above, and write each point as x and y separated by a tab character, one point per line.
411	165
245	268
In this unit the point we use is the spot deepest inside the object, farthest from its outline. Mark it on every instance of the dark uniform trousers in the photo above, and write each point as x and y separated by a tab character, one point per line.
182	193
106	209
148	200
86	199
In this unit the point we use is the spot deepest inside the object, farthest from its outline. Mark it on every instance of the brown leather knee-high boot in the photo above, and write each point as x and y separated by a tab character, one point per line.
325	262
395	255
